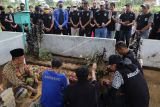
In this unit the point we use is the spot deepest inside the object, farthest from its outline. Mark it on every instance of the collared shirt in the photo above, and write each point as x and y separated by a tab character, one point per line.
74	15
12	76
128	17
56	14
102	17
143	20
86	16
47	20
112	25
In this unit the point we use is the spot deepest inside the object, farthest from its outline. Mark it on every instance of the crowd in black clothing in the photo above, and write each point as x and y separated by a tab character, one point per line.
100	20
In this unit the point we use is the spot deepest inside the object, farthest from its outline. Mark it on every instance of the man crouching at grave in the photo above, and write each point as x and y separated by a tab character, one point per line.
17	76
128	87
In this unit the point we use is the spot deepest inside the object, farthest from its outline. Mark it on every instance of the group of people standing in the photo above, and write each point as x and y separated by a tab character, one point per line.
101	20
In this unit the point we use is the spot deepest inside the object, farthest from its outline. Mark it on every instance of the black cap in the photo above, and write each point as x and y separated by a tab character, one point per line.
128	4
17	52
82	72
115	59
56	63
85	2
145	6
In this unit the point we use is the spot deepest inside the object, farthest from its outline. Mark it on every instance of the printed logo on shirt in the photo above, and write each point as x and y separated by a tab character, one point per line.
130	75
52	78
105	14
131	14
50	17
146	19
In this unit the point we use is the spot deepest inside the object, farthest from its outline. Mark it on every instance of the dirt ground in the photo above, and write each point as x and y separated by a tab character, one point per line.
153	80
152	77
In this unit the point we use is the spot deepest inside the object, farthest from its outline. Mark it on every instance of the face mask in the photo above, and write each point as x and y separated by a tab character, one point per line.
60	6
46	11
74	9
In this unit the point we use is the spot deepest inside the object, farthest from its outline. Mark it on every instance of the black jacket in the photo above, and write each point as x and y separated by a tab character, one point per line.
135	86
81	94
131	56
133	92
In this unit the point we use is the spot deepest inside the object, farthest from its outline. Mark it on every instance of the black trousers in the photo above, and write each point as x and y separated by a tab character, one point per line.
125	36
154	35
86	31
117	36
64	31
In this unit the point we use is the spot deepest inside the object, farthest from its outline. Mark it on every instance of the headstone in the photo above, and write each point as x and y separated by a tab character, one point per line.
8	98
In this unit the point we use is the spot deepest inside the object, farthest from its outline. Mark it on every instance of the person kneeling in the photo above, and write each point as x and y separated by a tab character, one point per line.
83	93
128	87
53	85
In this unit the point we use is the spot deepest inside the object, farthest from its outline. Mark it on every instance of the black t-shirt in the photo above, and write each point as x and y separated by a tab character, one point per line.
85	16
2	18
112	25
47	20
74	15
80	8
9	17
82	94
102	17
128	16
94	10
156	23
135	86
143	20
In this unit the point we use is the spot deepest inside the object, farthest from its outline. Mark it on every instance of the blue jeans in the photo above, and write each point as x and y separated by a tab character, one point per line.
145	34
101	32
125	36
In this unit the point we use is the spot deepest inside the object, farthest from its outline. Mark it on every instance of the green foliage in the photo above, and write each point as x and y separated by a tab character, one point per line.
44	54
34	38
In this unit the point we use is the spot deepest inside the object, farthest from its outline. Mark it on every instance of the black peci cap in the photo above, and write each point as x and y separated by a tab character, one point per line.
17	52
